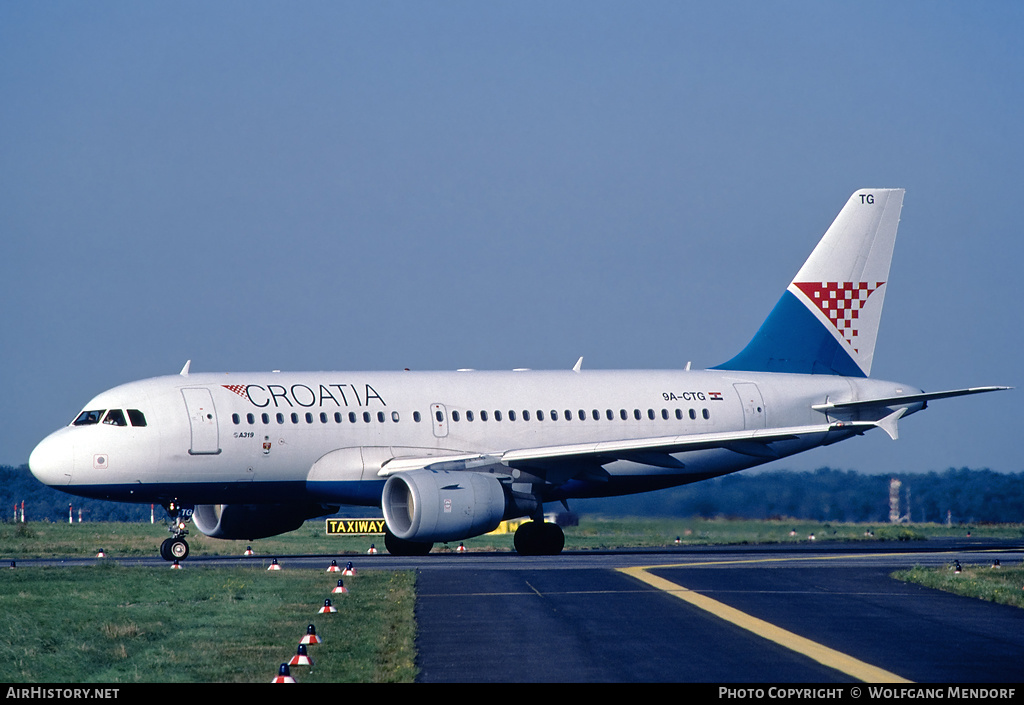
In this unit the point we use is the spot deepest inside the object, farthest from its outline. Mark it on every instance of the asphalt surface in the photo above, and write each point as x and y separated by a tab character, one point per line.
586	621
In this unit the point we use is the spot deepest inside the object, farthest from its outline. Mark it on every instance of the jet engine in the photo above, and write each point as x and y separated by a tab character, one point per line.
430	505
254	521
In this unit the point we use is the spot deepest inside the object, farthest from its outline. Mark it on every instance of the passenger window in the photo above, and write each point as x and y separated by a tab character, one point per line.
265	418
295	418
622	414
693	415
636	414
650	414
250	418
280	418
416	416
664	414
115	417
351	417
609	414
455	416
136	417
235	420
88	418
366	417
323	417
497	415
380	417
394	416
337	417
705	414
483	415
469	416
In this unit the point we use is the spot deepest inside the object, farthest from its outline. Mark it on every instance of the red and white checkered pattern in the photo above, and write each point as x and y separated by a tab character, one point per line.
841	303
238	389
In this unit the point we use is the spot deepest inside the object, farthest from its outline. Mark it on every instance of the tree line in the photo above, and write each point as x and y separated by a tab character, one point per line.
960	495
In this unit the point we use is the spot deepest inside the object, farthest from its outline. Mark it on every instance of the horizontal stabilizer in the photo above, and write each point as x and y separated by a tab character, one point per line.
902	400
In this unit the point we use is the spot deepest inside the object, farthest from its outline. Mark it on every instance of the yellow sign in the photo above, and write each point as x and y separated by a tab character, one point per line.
338	527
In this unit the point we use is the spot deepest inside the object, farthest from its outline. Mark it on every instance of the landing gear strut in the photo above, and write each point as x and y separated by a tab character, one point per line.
176	547
539	538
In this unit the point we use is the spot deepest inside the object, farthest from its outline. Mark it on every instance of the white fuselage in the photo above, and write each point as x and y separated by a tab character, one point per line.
257	437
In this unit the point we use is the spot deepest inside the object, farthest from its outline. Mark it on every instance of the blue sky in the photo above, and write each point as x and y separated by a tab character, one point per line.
266	185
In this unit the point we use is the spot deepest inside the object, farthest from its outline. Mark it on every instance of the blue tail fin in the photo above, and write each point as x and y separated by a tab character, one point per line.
827	319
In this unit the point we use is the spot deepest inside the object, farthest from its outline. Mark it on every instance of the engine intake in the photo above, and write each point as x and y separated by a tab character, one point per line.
429	505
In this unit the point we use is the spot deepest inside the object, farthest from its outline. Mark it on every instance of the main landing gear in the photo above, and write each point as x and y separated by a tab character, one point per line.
539	538
176	547
401	547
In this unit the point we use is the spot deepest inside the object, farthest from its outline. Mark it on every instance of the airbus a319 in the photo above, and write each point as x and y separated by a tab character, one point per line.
449	455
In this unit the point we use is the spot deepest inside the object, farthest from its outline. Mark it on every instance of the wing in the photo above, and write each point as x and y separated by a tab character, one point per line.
562	462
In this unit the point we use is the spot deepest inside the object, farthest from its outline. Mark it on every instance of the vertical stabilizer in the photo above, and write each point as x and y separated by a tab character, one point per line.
827	320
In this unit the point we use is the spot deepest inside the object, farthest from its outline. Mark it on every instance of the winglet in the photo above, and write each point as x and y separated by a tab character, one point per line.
578	365
184	370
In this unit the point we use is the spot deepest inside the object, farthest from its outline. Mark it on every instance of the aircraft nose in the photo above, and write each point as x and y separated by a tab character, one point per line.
53	460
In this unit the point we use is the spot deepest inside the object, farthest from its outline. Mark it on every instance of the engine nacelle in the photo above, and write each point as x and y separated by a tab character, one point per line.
429	505
254	521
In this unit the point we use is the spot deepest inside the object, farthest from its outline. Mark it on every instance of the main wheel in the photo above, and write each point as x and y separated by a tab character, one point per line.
535	538
401	547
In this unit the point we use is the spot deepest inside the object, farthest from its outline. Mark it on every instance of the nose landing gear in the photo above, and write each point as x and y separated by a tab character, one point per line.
176	547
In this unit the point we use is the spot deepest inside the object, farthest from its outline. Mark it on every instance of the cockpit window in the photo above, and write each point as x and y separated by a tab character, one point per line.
136	417
88	418
115	417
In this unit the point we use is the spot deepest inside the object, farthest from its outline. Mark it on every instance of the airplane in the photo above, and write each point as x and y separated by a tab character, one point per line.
449	455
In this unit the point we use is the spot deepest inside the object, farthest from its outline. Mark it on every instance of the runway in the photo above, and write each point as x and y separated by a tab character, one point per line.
581	618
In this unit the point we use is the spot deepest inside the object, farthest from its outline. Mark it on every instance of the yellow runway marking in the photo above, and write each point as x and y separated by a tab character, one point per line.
812	649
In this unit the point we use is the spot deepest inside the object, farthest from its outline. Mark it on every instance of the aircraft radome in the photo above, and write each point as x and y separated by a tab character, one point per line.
449	455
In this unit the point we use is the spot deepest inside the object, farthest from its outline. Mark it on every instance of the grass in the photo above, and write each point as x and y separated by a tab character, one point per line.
115	624
55	540
1003	585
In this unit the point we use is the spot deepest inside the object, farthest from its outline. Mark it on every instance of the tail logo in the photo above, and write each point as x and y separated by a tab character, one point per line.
840	302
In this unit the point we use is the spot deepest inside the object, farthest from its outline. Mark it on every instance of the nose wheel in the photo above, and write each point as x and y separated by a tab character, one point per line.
176	547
